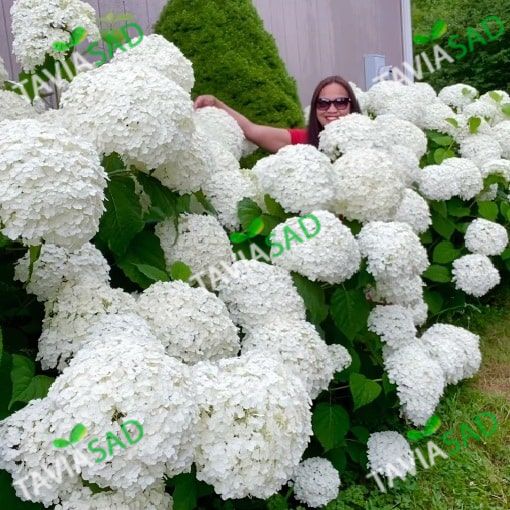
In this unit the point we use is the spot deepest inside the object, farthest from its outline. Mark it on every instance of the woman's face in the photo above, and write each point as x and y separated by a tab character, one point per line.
332	91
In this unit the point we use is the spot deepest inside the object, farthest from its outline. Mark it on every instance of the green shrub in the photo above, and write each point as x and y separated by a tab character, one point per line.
234	58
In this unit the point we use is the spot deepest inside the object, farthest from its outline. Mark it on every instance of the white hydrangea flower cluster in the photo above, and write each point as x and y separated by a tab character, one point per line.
497	167
302	350
328	251
148	124
255	292
153	498
14	107
227	185
366	173
454	177
68	318
360	95
415	211
199	242
25	448
217	125
255	425
501	132
163	56
51	185
393	323
316	482
419	378
475	274
299	177
37	25
56	266
138	382
390	454
458	96
480	148
189	169
455	349
192	324
486	237
392	250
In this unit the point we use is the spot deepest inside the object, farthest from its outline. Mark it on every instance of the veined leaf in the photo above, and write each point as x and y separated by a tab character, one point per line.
363	390
350	310
153	273
452	121
180	271
474	124
439	274
495	96
488	210
445	252
247	210
185	493
313	296
330	423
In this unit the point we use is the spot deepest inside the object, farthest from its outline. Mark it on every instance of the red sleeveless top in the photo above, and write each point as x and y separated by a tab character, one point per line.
298	135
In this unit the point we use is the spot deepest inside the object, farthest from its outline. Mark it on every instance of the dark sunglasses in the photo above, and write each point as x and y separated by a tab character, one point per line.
340	103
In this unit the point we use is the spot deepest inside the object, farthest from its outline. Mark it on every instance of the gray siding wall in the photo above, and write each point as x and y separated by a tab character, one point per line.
316	38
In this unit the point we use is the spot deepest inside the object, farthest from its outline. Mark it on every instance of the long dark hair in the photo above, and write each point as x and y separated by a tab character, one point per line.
314	126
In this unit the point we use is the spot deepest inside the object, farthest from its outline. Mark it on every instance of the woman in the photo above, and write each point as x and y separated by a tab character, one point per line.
333	98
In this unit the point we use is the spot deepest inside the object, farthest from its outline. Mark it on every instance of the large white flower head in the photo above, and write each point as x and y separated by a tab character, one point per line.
406	163
400	290
475	274
299	177
76	307
188	169
256	291
51	185
368	173
458	96
456	349
483	109
495	99
392	130
302	350
434	117
453	177
255	425
501	132
121	377
37	25
27	454
381	94
390	454
414	210
486	237
132	110
14	107
162	55
392	249
460	127
419	378
57	265
393	323
354	131
192	324
216	124
480	148
153	498
317	246
316	482
199	242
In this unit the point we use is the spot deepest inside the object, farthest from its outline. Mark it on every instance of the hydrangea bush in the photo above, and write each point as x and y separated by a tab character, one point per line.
305	365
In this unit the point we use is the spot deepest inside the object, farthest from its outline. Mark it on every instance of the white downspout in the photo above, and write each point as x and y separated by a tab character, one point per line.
407	37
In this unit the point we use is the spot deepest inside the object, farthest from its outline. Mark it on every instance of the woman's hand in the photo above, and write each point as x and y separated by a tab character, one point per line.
203	101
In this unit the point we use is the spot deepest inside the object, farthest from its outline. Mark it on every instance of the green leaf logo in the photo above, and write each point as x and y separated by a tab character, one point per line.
430	428
77	36
437	31
77	434
61	46
254	229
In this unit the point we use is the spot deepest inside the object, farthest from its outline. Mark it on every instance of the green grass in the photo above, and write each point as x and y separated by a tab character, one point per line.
478	477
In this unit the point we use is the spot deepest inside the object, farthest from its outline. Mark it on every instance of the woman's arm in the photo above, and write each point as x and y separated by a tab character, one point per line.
268	138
